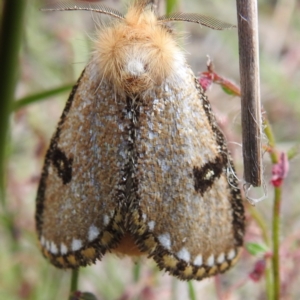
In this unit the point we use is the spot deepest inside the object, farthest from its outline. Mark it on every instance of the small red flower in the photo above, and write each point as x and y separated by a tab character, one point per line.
280	170
205	80
258	270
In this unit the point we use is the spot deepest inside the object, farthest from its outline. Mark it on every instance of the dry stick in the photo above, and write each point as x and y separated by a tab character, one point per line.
250	90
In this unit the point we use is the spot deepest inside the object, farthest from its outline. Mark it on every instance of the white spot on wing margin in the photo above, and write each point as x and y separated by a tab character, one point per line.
93	233
165	240
221	258
231	254
105	220
53	248
63	249
47	245
151	225
43	241
184	254
76	244
210	261
198	261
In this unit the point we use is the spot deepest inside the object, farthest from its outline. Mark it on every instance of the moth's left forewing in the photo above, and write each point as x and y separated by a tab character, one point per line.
188	212
78	212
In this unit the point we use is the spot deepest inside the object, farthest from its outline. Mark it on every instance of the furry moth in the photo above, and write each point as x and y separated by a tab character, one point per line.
137	164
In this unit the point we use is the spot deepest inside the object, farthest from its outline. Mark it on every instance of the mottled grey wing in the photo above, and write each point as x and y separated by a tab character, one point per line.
188	212
78	202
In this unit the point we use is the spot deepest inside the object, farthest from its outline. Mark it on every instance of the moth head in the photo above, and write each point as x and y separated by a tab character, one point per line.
138	51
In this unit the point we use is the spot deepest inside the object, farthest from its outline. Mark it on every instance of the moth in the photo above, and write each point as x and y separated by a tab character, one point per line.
138	165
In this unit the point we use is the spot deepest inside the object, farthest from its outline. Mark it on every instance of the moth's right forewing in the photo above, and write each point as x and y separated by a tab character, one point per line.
78	216
188	212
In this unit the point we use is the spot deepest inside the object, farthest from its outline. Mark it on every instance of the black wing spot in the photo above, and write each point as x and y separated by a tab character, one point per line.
205	177
63	165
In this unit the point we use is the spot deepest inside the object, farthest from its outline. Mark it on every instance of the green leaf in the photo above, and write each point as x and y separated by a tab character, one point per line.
228	90
11	31
40	96
256	248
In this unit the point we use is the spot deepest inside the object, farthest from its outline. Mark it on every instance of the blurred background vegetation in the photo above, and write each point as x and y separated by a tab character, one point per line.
55	48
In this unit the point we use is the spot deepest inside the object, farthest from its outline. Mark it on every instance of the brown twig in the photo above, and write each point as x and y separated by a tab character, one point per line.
250	90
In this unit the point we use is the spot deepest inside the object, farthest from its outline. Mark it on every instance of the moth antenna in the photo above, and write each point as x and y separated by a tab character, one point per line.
71	6
196	18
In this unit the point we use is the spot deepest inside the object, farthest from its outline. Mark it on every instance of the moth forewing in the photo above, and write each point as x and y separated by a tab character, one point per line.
83	203
183	194
137	164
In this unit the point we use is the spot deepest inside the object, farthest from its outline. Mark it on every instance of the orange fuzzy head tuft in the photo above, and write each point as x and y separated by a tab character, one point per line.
137	53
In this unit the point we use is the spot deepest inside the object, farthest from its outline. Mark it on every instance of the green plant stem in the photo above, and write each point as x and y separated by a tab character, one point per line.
276	217
263	226
269	281
10	43
270	136
276	244
171	5
40	96
192	294
137	271
74	280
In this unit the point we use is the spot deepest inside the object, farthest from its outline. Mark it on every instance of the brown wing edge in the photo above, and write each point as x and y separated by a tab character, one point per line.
238	211
107	240
147	242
